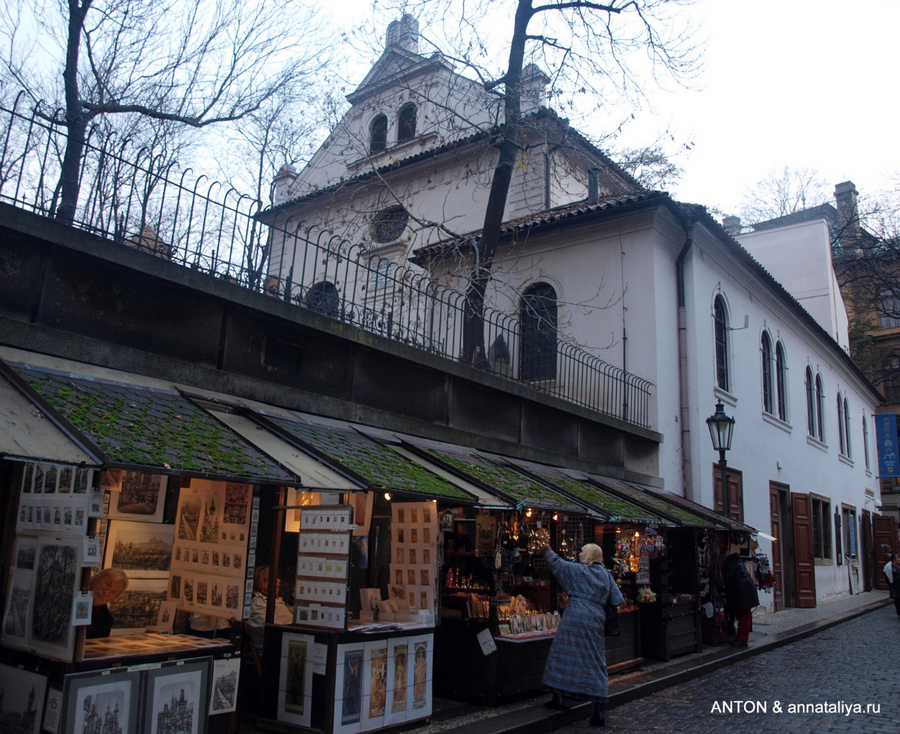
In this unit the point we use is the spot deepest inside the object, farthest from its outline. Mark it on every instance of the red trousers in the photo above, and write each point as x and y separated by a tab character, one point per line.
745	623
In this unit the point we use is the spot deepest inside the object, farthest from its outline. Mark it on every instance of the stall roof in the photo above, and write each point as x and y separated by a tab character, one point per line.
500	479
314	474
30	434
654	502
610	507
699	509
375	465
400	443
145	427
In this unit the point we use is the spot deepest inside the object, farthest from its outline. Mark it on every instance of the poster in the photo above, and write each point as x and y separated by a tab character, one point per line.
225	678
141	549
141	497
295	694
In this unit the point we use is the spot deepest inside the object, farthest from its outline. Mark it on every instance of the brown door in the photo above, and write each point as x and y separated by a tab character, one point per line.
867	551
884	530
777	524
804	569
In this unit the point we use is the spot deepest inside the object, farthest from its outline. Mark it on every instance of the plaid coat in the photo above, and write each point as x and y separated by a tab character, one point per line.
577	659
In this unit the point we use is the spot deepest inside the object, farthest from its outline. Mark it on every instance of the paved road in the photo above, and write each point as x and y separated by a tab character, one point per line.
806	687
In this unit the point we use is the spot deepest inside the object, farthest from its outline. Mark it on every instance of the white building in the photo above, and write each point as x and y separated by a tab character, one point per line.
649	285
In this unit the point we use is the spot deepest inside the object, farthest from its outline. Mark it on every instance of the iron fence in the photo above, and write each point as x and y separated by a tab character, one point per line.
135	198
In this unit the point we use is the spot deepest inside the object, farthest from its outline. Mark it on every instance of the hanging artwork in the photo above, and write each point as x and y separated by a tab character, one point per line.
348	688
295	697
101	700
177	697
141	549
141	497
138	606
225	678
22	702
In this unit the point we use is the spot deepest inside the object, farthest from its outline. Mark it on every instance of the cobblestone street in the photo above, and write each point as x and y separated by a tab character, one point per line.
807	686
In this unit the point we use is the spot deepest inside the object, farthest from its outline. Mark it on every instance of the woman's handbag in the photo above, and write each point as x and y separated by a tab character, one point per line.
611	629
612	620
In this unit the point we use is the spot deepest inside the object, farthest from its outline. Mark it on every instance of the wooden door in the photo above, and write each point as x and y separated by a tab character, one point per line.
804	569
884	530
775	561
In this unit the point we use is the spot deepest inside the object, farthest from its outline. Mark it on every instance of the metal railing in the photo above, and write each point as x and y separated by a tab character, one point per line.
129	196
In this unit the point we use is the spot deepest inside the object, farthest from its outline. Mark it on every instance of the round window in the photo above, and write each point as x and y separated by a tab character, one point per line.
389	224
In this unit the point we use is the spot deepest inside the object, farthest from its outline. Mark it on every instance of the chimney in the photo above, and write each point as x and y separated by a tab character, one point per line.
403	34
281	184
732	225
845	196
532	88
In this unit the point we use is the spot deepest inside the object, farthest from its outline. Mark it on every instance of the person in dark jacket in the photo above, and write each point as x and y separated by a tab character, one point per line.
740	596
106	586
894	583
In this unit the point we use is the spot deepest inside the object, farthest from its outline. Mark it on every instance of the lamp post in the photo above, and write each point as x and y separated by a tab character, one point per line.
721	428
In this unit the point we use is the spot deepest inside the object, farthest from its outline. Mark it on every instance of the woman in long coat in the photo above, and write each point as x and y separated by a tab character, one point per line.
577	660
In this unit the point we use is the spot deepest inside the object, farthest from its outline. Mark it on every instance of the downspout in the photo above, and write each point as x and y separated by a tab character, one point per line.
686	473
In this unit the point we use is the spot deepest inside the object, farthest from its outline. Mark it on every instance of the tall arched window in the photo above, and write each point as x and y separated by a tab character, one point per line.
406	123
378	134
846	417
842	443
537	319
781	379
768	392
810	403
866	440
721	328
820	409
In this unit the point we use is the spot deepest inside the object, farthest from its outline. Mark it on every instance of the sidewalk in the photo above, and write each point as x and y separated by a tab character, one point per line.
529	716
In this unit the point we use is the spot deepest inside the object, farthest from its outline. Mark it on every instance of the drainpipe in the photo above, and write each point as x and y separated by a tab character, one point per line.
686	472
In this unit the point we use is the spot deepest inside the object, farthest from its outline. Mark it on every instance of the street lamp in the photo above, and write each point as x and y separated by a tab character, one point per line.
721	428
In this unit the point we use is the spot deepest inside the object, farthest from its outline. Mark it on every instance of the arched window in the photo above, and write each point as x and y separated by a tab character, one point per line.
866	440
537	320
768	392
781	379
406	123
820	409
721	328
323	298
810	403
840	416
389	224
378	134
848	452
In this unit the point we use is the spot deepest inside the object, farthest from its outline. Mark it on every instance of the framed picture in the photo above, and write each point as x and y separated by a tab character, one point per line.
140	549
295	698
297	499
177	696
22	702
375	684
361	502
142	497
348	689
421	651
398	682
107	698
225	677
137	607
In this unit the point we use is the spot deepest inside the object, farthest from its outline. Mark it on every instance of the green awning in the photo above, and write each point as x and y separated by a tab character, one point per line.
377	466
652	501
152	428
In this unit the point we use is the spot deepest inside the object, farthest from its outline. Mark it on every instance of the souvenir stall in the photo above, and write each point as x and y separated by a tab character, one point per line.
185	544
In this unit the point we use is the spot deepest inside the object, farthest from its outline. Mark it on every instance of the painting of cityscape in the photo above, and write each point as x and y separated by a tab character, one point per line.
179	695
21	700
142	497
141	549
101	701
138	606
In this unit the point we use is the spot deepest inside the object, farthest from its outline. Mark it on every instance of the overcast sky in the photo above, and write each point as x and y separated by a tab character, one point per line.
804	83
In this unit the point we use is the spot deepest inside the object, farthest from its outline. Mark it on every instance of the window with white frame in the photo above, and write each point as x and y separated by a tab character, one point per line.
846	418
810	403
821	522
781	381
720	316
820	409
767	382
848	529
842	444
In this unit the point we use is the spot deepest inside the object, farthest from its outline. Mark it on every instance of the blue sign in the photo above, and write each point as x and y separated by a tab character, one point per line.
886	435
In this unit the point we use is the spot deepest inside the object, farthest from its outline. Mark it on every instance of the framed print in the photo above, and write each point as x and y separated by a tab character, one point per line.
142	497
348	688
398	681
107	698
22	702
141	549
138	606
421	648
56	581
295	694
177	697
375	684
225	677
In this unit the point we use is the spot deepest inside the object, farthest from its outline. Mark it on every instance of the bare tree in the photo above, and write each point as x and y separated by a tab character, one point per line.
192	62
591	51
784	192
650	166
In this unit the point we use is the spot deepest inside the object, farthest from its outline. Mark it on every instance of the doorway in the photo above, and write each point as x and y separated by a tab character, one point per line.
785	591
